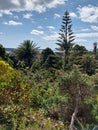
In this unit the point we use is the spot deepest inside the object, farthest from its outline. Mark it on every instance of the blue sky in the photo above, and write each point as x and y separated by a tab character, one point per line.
40	21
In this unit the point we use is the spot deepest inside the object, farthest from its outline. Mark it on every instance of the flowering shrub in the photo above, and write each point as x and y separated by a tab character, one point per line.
5	73
31	119
36	100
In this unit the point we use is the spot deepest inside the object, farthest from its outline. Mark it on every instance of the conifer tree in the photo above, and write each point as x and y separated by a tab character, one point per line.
66	38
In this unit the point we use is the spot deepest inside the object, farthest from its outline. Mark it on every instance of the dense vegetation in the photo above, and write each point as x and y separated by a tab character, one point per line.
49	90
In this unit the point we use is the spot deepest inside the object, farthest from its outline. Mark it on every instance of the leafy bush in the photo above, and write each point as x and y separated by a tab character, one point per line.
5	73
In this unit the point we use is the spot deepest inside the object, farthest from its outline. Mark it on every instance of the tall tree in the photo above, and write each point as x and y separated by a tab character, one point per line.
95	47
2	51
66	37
26	52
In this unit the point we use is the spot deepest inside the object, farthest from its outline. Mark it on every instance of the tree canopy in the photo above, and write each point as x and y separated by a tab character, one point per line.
66	38
27	52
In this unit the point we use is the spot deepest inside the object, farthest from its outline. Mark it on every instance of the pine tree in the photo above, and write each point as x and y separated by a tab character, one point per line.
66	38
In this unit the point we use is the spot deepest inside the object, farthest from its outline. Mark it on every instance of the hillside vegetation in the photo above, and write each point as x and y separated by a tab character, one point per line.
49	90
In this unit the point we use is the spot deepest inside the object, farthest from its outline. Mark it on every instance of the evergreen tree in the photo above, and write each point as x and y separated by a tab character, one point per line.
66	38
45	53
2	51
95	47
47	57
79	50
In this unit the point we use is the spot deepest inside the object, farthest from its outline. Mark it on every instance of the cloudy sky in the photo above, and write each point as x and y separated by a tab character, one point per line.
40	21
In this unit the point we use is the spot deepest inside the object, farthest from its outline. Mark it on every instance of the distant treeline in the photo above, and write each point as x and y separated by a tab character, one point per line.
9	49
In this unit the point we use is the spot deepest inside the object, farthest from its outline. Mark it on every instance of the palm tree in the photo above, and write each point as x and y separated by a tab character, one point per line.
26	52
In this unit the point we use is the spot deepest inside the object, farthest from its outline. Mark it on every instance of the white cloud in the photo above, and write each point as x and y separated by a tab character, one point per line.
54	3
15	2
88	14
13	23
56	16
37	32
87	35
27	16
94	28
85	29
28	5
72	14
1	15
80	40
51	37
51	28
6	12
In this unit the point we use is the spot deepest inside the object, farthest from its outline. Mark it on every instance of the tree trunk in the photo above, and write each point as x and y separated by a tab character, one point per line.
73	118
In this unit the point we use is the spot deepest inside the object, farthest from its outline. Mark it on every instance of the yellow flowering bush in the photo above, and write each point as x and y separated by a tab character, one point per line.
5	71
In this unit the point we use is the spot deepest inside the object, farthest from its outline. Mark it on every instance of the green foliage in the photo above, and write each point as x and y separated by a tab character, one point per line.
24	94
53	62
79	50
88	63
45	53
78	88
44	98
2	51
26	52
35	120
92	102
39	94
66	38
49	59
12	59
36	65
